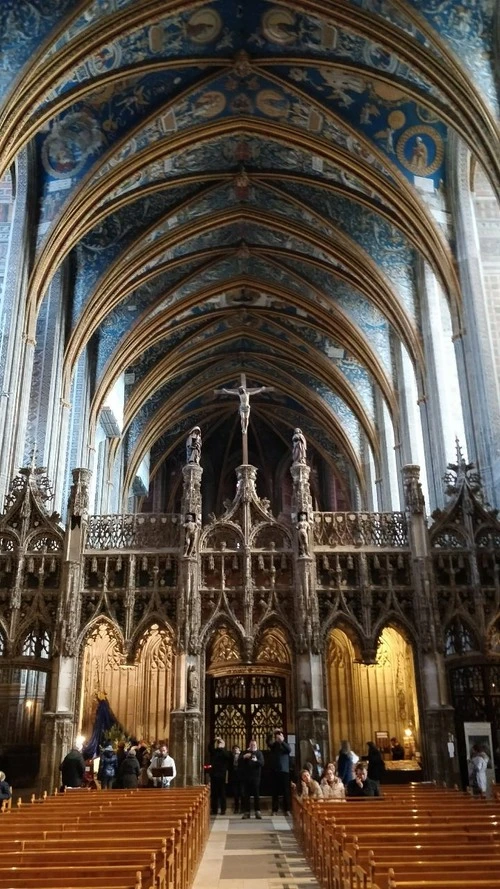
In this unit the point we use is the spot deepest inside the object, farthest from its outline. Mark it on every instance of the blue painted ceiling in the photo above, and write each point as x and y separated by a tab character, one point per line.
246	187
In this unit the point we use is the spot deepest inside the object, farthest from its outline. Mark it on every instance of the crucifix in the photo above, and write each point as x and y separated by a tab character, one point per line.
244	395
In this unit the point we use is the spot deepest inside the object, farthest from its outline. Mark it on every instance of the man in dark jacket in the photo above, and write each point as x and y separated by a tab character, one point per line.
361	784
280	766
220	762
251	762
72	769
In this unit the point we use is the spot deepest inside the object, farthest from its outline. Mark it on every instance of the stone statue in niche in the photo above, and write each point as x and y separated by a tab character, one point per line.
299	446
302	527
190	533
193	445
193	688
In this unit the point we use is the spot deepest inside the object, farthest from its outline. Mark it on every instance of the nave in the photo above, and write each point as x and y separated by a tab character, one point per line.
253	855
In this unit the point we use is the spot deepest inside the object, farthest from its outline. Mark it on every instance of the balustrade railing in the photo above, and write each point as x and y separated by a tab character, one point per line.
377	529
331	529
133	531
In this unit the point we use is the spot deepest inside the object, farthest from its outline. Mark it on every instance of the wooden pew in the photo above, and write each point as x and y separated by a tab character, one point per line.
147	838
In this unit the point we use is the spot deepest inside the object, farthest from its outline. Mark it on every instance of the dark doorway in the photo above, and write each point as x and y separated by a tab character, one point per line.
247	706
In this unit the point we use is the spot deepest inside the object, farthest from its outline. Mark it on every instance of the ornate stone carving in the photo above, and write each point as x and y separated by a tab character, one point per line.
299	447
193	688
78	504
302	529
414	498
193	445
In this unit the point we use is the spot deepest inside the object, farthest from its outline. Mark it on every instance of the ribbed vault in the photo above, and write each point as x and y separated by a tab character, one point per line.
245	187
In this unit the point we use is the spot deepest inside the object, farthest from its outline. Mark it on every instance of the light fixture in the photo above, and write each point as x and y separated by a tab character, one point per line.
28	705
408	733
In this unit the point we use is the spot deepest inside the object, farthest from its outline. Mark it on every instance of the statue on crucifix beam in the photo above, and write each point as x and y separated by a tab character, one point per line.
244	395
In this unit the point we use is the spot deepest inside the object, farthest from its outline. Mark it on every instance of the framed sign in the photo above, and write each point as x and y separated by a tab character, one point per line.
382	741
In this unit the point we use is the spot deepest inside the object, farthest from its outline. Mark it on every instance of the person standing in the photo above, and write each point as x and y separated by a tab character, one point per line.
72	769
280	766
161	760
361	784
478	764
5	790
345	763
235	778
108	767
251	761
129	770
376	765
397	749
220	762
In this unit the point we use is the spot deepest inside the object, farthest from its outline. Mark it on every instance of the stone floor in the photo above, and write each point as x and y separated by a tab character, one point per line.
251	854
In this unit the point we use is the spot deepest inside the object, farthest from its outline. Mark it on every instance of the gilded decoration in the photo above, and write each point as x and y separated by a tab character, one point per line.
224	648
273	648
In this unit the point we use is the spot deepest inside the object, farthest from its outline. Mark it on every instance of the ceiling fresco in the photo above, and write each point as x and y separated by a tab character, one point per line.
245	187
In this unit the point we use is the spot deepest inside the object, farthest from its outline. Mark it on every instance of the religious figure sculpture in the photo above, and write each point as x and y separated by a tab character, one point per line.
299	446
191	530
244	396
302	527
193	687
193	445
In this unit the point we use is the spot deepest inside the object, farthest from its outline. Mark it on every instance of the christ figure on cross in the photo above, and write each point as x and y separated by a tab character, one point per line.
244	395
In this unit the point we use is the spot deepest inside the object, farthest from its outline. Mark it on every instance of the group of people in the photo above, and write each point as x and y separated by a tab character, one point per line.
349	776
128	766
244	768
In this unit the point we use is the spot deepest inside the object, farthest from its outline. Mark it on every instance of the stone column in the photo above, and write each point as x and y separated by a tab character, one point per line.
438	715
59	721
186	718
312	717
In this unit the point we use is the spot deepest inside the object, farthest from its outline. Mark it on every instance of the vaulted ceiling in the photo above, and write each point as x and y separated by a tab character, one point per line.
246	187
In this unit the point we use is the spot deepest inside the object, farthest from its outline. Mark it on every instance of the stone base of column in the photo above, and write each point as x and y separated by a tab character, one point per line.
185	746
57	737
312	726
438	765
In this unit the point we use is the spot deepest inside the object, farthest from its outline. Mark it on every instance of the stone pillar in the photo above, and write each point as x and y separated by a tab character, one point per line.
57	739
186	718
312	717
59	721
438	715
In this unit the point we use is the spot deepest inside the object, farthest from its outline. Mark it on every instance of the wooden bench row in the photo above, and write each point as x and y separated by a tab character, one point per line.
146	839
411	839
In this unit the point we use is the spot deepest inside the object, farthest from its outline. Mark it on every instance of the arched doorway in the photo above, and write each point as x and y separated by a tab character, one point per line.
367	701
248	700
140	693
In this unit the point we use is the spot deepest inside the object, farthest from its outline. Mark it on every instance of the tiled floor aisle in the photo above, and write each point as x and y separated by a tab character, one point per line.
253	855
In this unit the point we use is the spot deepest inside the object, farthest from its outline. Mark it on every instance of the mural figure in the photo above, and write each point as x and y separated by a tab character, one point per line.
419	155
193	445
302	527
299	447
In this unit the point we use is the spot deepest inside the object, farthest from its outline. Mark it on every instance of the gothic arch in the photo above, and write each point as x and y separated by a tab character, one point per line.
223	642
34	636
459	638
151	621
273	642
367	698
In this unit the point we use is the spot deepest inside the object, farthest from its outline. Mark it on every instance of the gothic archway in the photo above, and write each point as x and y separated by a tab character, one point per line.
368	699
140	692
248	700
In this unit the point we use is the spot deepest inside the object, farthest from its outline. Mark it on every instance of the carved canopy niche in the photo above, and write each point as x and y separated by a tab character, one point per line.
140	694
224	648
273	647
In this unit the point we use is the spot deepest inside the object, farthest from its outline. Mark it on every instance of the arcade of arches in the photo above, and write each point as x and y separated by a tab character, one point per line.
221	215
